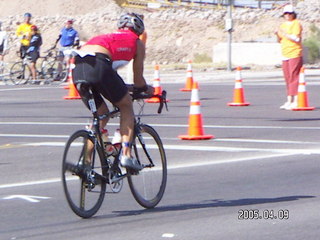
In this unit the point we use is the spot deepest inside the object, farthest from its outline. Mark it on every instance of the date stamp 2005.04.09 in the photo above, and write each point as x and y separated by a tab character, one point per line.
256	214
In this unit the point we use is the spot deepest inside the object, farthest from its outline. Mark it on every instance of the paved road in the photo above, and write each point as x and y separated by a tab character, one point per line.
262	160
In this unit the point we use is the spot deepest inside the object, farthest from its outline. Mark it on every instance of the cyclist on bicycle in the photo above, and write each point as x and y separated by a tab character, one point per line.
97	62
23	32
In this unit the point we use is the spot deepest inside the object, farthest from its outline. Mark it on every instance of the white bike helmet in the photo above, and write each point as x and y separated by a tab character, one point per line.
131	21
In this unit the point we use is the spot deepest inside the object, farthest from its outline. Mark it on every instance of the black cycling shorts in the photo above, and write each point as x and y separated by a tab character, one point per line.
98	71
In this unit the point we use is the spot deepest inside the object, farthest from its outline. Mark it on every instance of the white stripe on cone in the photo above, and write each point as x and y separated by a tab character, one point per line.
195	110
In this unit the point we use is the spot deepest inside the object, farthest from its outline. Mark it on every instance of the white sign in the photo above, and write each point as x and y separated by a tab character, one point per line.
154	5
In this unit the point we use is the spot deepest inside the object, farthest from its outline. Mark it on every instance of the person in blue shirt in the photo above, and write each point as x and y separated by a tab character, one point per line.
68	39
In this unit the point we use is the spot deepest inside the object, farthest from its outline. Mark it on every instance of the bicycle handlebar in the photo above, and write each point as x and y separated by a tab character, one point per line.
50	49
162	98
142	95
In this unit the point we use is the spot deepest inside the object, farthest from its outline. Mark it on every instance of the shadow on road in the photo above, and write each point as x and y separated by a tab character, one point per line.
214	203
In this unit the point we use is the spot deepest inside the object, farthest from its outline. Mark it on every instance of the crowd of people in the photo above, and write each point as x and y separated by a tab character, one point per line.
30	40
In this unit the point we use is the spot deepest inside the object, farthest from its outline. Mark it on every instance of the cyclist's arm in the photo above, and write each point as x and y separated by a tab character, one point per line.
138	65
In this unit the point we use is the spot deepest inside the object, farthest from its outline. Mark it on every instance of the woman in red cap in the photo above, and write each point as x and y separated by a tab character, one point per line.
33	52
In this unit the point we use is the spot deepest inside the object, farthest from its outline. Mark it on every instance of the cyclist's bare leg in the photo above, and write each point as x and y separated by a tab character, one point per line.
102	110
126	122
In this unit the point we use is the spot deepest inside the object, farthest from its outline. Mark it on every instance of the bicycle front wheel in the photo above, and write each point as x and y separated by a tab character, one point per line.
81	168
149	184
19	73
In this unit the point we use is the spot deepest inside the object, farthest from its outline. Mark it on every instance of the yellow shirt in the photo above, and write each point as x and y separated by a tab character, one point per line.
23	31
290	48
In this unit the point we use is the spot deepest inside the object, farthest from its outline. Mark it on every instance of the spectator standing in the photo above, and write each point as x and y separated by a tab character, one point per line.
289	35
3	43
23	32
33	52
68	39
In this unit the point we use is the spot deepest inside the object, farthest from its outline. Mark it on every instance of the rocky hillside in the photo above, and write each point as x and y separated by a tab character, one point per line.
174	35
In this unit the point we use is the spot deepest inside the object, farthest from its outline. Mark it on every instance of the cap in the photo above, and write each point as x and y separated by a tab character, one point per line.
288	9
70	21
34	27
27	15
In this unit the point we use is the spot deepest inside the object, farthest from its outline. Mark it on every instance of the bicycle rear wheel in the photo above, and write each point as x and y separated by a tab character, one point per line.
82	169
19	73
55	71
149	184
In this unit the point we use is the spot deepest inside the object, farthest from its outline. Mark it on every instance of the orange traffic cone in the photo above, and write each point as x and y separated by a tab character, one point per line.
302	94
189	81
195	131
238	94
156	85
73	92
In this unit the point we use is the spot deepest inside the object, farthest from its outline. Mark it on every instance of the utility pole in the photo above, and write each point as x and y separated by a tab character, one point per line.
229	29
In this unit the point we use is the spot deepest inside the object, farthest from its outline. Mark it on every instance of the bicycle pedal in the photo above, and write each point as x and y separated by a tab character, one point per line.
90	186
117	178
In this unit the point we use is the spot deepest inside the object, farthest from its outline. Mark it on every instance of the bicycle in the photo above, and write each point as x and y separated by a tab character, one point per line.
20	72
53	66
87	169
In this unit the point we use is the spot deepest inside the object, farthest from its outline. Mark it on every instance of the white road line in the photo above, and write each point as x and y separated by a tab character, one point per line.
22	89
162	125
201	148
170	138
34	135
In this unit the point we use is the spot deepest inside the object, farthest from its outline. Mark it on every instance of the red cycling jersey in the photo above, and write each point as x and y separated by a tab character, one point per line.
122	45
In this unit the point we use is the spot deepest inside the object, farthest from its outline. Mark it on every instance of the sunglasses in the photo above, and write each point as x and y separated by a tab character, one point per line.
288	13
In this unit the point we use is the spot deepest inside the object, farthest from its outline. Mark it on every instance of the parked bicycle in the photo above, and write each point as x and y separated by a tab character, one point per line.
87	168
51	69
53	66
20	72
